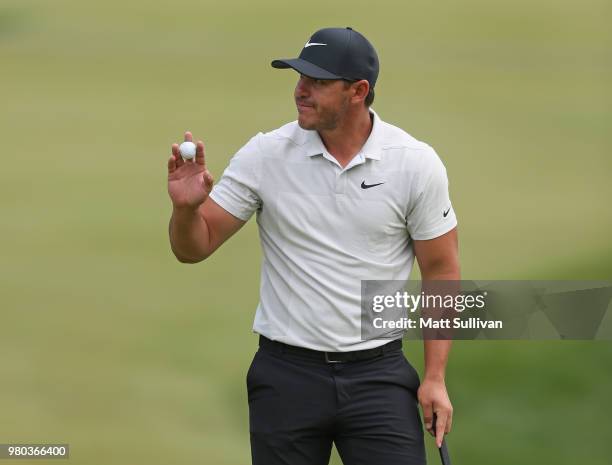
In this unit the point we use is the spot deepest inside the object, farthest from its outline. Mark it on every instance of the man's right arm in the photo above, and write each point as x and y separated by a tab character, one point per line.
198	225
196	233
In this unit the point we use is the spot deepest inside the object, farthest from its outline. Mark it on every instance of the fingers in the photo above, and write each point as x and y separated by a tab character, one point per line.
441	420
428	416
200	157
171	164
178	159
177	156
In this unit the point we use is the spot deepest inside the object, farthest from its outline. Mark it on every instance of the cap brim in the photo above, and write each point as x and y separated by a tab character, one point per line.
304	67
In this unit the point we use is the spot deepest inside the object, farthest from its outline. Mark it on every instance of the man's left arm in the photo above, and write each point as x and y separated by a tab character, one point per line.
438	261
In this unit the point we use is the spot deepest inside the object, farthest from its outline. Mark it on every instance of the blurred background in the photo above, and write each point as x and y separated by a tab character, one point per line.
111	345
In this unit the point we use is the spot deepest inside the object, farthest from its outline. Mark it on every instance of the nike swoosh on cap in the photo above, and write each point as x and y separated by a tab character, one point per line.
310	44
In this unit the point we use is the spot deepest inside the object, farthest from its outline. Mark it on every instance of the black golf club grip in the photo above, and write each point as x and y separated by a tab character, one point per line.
444	457
444	454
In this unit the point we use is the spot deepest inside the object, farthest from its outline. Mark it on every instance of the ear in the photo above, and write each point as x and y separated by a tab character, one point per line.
360	90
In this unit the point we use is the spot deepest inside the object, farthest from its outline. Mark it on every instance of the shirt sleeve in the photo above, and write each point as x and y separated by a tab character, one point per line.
237	190
431	214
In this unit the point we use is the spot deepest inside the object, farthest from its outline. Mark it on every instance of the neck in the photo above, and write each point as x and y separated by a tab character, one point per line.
344	141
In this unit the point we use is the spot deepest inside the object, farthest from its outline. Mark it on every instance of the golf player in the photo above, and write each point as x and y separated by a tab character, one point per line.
340	196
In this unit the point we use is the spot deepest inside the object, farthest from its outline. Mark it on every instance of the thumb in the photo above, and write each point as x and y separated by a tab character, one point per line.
208	181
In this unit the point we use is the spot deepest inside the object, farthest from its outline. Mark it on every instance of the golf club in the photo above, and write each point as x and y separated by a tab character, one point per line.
444	457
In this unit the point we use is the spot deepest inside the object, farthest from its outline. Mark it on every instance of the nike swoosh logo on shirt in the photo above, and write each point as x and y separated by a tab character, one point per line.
367	186
310	44
446	212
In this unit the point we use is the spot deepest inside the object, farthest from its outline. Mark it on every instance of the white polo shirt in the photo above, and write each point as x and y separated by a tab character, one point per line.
323	228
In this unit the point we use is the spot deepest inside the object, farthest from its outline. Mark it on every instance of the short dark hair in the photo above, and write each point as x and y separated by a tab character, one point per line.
369	98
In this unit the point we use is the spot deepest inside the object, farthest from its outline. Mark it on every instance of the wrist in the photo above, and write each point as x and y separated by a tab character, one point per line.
185	209
434	377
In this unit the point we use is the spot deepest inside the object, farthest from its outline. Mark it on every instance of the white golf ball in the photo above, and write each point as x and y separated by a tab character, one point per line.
188	150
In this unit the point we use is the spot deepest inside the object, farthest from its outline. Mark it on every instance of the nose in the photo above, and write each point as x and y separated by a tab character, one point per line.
302	88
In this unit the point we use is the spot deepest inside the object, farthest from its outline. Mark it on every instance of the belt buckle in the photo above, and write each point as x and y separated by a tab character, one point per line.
328	360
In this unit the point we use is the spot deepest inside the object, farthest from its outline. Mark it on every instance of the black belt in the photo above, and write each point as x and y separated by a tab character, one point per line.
330	357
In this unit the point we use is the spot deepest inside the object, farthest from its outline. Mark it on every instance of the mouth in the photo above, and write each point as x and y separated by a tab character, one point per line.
301	106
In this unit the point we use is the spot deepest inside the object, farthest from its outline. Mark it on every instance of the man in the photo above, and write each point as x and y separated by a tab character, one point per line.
341	196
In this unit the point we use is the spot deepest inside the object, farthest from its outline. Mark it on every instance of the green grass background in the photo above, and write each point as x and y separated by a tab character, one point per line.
109	344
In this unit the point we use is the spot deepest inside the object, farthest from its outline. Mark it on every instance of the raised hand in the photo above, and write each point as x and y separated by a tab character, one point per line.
189	182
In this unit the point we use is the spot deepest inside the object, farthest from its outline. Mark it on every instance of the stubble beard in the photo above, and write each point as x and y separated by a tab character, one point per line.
327	119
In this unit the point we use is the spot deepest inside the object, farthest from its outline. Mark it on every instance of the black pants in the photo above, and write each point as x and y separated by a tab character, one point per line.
298	407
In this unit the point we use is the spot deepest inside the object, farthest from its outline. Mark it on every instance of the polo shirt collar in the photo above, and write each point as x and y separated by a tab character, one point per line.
371	149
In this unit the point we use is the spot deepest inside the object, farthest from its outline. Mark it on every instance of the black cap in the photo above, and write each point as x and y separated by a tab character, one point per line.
335	53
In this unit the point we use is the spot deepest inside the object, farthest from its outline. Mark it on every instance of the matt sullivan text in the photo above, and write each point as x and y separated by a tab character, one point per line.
437	323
